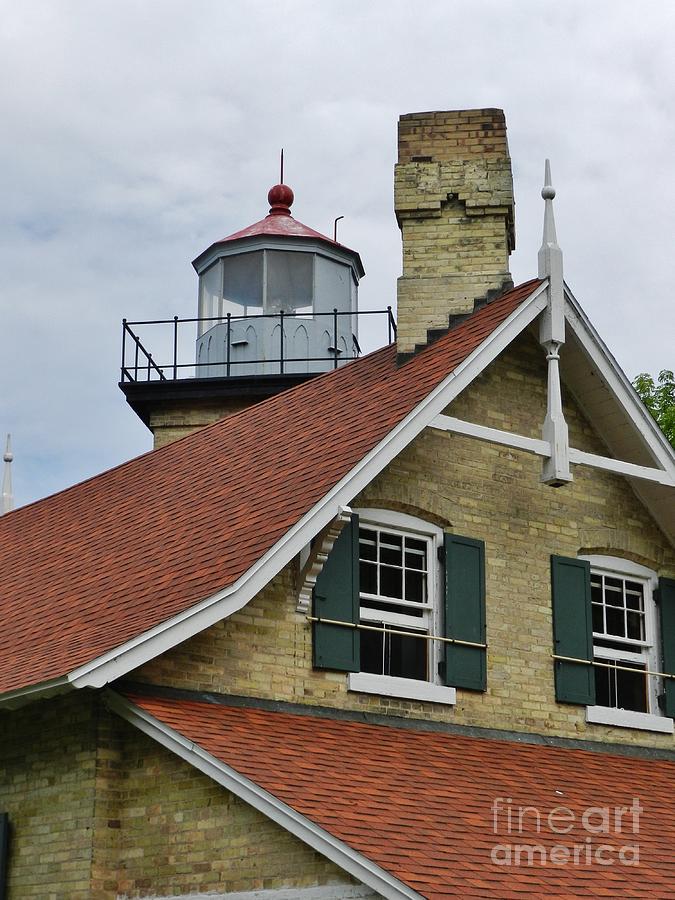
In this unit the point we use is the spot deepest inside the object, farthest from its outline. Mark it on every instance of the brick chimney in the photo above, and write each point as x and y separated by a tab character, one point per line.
453	195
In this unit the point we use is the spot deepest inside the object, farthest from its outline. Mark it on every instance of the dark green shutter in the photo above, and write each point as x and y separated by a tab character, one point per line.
4	848
667	609
336	596
572	630
465	667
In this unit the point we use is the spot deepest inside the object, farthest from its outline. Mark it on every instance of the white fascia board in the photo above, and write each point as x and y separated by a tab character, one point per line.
134	653
619	386
344	856
40	691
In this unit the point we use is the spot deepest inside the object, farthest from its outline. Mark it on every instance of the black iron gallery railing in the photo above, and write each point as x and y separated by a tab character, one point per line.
174	339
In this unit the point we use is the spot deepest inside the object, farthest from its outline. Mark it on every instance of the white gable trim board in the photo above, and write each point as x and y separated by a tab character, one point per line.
344	856
134	653
622	391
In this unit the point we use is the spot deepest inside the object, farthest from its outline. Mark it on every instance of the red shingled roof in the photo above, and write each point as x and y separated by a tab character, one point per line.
284	226
99	564
420	803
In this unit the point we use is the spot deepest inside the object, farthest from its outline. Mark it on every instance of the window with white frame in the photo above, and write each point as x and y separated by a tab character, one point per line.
399	586
625	646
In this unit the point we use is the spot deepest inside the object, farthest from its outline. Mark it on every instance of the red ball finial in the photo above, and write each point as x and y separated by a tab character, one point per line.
280	199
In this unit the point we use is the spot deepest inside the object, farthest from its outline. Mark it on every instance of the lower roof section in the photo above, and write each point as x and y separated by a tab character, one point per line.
443	814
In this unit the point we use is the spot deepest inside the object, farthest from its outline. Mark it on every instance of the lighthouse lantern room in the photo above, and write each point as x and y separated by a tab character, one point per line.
276	297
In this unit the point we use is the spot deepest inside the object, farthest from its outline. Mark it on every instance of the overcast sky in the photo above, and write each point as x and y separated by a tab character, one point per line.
134	134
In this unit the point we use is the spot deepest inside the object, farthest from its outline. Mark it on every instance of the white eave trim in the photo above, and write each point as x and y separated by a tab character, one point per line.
344	856
40	691
136	652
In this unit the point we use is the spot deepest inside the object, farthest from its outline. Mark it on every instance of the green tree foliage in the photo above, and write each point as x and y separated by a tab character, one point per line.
659	398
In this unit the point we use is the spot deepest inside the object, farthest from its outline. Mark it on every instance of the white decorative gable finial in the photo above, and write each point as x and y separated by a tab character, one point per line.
550	260
7	500
552	336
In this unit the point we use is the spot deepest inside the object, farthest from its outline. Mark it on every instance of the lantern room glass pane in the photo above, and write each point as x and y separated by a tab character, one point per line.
210	285
243	284
290	282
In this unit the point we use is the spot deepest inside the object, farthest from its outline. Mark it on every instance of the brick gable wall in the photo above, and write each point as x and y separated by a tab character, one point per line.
480	490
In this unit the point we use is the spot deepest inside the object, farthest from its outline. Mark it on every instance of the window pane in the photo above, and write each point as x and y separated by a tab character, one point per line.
391	582
210	283
367	544
407	657
391	549
372	652
243	281
631	690
415	586
415	560
635	626
368	578
615	622
613	591
416	553
290	278
603	695
634	595
598	624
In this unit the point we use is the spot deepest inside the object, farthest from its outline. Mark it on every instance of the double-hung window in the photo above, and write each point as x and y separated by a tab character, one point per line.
398	601
400	606
625	645
623	641
613	646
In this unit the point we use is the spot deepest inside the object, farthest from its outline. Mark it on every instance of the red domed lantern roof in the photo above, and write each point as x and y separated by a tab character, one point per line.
279	223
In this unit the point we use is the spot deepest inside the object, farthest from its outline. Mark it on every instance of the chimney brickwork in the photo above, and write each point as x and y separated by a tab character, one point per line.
453	195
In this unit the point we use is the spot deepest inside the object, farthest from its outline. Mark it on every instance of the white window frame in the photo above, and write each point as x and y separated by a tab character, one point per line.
431	690
646	652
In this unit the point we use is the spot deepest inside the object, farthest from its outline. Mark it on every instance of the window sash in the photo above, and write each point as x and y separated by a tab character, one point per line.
416	623
400	612
626	650
378	564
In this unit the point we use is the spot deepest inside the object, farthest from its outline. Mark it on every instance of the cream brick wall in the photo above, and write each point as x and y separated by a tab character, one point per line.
482	491
180	832
170	425
47	785
453	195
99	810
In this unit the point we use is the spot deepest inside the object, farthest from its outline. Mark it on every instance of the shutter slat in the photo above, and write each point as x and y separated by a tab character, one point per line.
667	611
572	629
465	667
336	596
